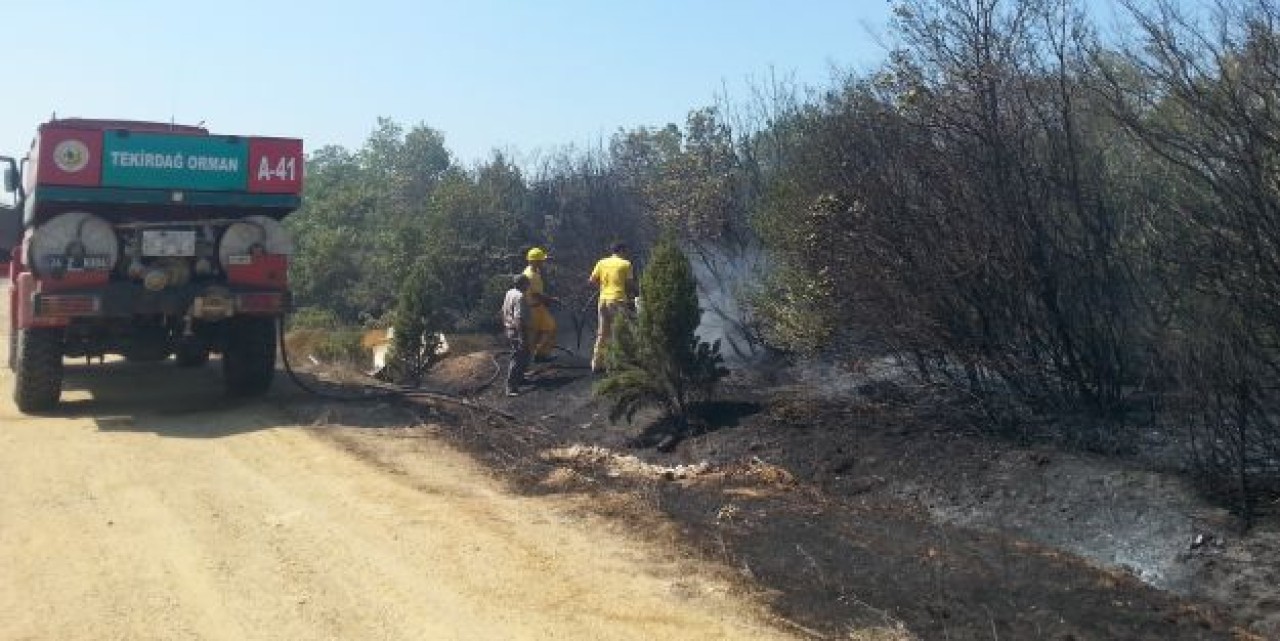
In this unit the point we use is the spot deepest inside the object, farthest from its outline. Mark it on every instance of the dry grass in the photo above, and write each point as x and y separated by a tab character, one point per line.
895	633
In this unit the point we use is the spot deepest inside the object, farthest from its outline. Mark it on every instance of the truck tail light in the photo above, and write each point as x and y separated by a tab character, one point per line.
67	305
260	303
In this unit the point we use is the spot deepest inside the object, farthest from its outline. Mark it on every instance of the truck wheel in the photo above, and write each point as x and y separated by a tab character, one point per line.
249	359
37	380
13	348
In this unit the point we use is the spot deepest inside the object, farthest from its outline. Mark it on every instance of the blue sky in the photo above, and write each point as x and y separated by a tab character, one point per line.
520	76
490	74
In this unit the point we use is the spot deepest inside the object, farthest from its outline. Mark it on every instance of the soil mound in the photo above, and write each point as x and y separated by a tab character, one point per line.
466	374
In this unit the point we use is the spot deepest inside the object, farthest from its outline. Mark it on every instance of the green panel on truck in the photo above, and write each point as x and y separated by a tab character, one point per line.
202	163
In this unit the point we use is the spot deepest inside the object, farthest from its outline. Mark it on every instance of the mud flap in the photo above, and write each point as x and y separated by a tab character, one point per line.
249	359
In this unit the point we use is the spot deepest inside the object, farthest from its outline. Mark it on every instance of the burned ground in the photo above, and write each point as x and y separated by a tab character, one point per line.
860	510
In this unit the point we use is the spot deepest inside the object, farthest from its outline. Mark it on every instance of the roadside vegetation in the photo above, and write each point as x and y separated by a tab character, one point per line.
1056	224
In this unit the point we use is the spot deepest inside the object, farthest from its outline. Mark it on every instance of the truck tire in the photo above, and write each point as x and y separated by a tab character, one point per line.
249	359
13	348
37	372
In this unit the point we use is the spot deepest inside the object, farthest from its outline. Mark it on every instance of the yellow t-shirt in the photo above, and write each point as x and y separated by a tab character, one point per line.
612	274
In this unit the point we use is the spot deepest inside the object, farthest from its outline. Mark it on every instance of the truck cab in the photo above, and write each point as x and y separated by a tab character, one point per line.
148	241
10	211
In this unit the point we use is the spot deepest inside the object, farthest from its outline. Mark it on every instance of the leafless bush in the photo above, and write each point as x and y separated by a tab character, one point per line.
1202	91
959	209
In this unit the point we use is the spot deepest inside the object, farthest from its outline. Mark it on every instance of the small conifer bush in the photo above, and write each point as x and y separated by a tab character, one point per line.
417	321
656	359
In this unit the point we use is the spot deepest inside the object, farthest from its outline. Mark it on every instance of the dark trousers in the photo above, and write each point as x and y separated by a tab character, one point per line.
519	358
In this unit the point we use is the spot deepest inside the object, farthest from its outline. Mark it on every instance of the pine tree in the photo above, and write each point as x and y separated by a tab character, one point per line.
657	359
417	322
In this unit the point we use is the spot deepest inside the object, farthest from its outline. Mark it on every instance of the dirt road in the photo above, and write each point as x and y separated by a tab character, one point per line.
128	518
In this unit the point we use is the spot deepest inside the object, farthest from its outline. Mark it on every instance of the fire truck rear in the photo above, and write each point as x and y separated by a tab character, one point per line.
148	241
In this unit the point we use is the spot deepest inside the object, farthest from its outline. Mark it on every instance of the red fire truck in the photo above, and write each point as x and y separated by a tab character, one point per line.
146	240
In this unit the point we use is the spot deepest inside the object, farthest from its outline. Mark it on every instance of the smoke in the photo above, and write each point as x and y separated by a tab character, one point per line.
726	276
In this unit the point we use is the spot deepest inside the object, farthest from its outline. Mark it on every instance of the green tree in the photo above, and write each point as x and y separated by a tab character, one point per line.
473	227
417	322
658	360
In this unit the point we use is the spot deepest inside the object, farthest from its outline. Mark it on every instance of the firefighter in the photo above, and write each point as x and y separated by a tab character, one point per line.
613	276
544	324
515	323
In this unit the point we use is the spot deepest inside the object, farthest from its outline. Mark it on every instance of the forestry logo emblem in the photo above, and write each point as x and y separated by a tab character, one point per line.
71	156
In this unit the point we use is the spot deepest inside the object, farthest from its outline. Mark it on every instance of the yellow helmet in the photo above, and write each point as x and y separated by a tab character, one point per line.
535	254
